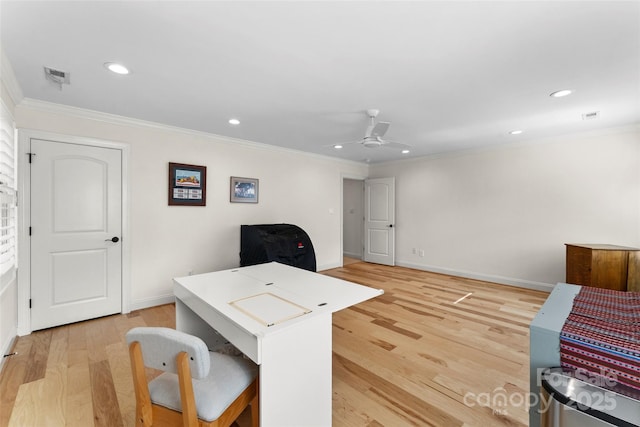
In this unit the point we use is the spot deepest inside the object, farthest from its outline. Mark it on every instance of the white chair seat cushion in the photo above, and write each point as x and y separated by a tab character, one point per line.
228	377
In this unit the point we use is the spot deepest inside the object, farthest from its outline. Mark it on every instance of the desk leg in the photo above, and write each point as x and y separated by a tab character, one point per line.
296	375
295	368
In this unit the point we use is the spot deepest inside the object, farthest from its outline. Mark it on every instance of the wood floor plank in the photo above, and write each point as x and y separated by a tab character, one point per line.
79	407
398	400
356	406
465	349
120	367
26	411
99	334
412	356
38	355
12	376
77	343
58	347
160	317
40	402
105	401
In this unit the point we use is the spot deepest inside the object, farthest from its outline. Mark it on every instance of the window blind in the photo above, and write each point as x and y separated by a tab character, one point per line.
7	191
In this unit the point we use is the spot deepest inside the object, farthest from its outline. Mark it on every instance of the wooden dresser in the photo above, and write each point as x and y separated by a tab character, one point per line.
603	266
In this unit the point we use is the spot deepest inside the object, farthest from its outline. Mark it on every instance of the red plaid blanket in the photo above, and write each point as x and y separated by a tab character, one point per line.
601	336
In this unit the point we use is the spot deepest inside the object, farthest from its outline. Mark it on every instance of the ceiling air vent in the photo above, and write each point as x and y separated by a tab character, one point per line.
57	76
590	116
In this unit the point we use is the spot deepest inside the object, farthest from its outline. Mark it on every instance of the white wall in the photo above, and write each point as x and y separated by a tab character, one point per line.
8	282
8	313
504	214
352	217
170	241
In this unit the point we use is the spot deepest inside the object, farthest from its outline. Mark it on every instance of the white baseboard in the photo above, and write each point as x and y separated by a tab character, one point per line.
152	302
9	332
352	255
527	284
140	304
329	266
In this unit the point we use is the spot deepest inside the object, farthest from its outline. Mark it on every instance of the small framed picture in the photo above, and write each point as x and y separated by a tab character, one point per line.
187	185
244	190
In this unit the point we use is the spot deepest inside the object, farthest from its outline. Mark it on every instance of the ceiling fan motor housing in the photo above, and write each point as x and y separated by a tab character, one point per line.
371	142
373	112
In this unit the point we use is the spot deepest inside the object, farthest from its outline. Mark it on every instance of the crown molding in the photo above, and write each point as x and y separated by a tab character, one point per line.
606	131
9	79
82	113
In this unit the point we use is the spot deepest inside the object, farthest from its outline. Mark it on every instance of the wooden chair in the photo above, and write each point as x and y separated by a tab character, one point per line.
198	388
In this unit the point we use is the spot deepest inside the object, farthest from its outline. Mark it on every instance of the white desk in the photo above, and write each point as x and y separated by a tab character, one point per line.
294	354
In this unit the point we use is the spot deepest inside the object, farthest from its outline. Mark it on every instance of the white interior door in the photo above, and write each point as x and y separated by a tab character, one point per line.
379	220
76	224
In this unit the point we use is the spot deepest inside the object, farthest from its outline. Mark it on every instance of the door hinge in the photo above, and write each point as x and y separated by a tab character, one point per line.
29	302
31	156
29	230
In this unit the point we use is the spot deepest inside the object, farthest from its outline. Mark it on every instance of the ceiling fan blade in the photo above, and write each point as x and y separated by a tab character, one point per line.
393	144
380	129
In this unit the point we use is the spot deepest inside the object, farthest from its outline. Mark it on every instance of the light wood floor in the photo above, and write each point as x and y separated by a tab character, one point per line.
349	260
412	356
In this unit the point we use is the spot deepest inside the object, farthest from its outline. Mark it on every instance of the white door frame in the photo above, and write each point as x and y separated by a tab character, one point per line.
343	177
24	215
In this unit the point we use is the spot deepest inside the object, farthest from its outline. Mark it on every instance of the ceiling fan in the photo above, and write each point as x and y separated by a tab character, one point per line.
373	137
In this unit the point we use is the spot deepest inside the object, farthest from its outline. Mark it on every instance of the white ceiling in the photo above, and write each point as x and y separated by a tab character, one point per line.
448	75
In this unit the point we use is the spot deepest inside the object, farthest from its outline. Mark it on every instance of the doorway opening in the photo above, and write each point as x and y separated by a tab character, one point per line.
352	220
368	220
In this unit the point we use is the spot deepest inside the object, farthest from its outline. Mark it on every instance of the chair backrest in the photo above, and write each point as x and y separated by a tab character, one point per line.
160	346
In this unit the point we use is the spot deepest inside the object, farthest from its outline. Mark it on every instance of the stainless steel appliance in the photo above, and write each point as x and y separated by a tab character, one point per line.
570	400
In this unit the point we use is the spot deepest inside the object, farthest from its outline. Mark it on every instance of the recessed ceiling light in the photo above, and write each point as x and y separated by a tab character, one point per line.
561	93
234	122
515	132
116	68
337	146
405	151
